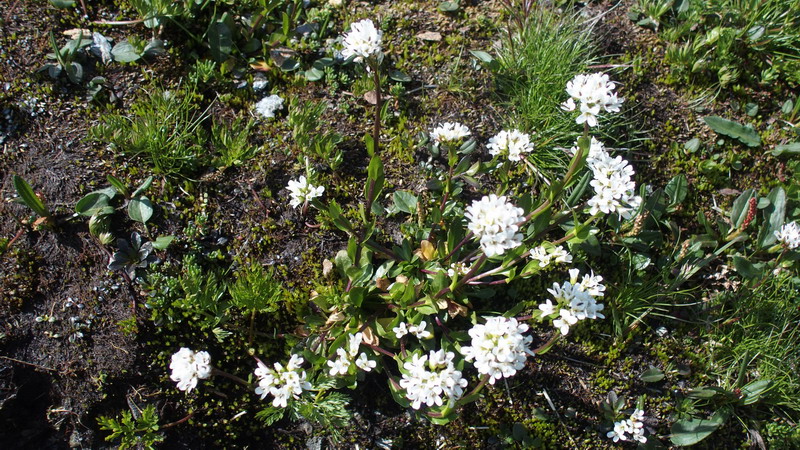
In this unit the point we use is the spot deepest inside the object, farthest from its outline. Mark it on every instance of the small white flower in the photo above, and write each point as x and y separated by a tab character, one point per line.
420	331
281	382
615	191
363	41
595	93
188	367
427	378
364	363
341	365
268	106
354	343
301	191
449	132
495	222
557	254
498	347
618	433
789	235
400	330
547	308
512	143
565	320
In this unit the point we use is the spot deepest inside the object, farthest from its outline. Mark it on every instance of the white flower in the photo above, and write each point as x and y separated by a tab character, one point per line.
615	191
547	308
400	330
618	433
498	347
342	363
513	143
363	41
281	382
557	254
495	222
188	366
789	235
457	268
353	344
595	93
449	132
301	191
267	106
420	330
365	363
427	378
565	320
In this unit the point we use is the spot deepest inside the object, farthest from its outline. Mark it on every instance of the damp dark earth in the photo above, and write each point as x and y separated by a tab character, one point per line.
399	224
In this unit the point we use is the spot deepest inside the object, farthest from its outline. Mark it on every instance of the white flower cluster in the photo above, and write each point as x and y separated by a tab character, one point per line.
578	300
633	426
344	358
282	382
301	191
449	132
498	347
457	268
595	93
789	235
420	331
513	143
614	189
363	41
554	255
495	222
430	376
188	367
268	106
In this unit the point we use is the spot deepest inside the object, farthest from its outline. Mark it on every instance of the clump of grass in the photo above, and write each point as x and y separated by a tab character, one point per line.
541	51
164	127
758	330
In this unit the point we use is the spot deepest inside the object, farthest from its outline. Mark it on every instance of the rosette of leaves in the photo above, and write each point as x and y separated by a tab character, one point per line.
132	255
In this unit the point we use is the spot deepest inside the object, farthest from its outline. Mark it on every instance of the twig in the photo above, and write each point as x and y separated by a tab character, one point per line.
28	363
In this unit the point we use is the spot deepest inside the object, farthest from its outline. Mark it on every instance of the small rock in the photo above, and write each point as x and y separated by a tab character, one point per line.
430	36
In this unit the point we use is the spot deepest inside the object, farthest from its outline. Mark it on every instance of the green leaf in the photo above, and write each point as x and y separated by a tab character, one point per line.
752	391
482	56
741	208
691	431
745	268
652	375
375	179
91	203
143	187
63	4
125	52
405	202
313	74
733	129
399	76
162	242
692	145
29	198
117	184
774	215
676	189
448	6
220	41
792	148
290	64
140	209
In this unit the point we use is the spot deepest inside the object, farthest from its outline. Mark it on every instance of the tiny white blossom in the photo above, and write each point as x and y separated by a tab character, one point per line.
547	308
281	382
268	106
420	331
363	41
498	347
495	222
595	93
341	364
511	143
354	343
565	320
615	190
545	257
427	378
364	363
789	235
301	191
188	367
400	330
449	132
